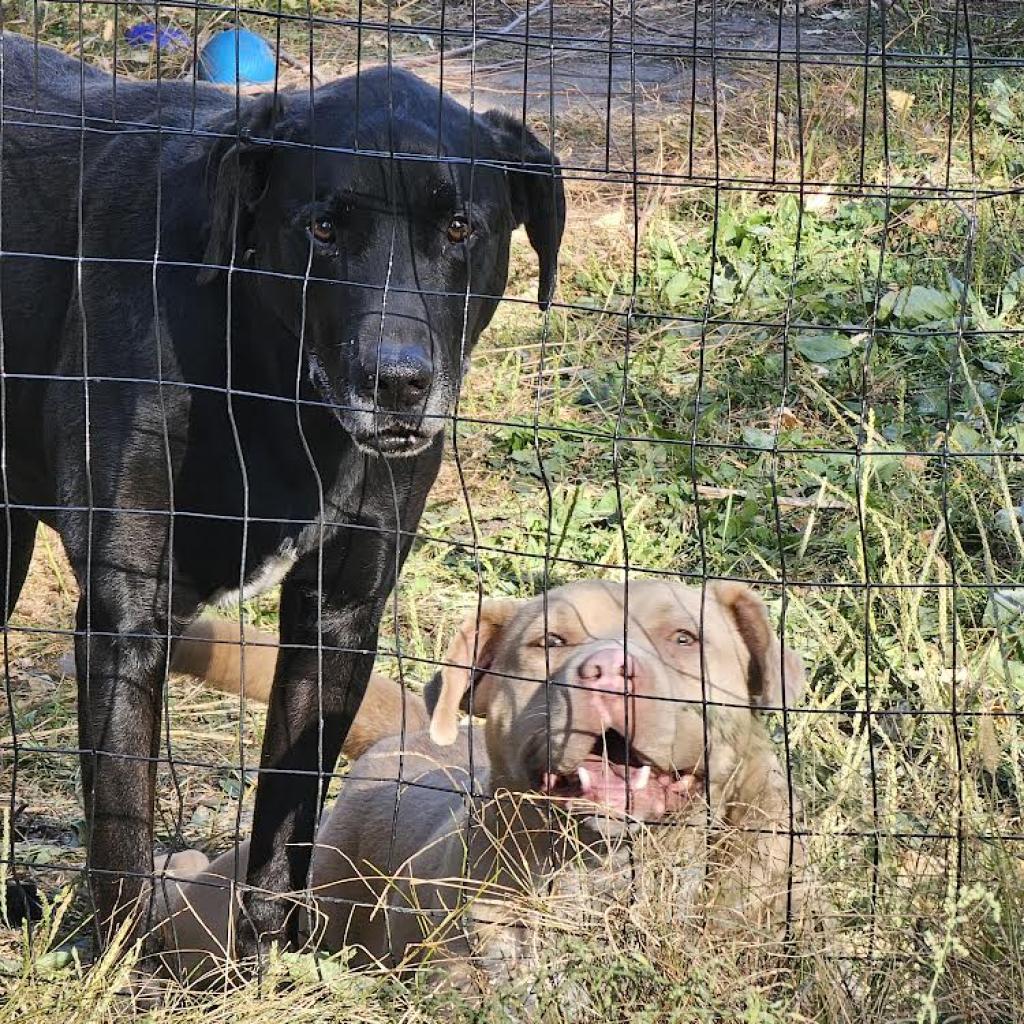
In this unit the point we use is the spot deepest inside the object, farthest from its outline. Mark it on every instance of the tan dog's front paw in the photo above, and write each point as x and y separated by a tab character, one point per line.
184	865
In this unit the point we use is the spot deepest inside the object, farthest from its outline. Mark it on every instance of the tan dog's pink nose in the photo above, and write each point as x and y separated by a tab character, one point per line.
607	676
607	669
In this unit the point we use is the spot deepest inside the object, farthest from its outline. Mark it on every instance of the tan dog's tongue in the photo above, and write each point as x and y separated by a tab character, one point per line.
649	795
605	783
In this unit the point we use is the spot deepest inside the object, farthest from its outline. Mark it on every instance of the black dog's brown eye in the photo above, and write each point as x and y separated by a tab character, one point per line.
323	230
551	640
684	638
458	230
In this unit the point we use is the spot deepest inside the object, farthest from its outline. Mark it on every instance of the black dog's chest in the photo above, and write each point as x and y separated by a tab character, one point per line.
284	530
258	578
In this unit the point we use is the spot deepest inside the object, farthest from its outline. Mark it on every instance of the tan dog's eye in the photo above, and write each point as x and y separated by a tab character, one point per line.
458	230
551	640
684	638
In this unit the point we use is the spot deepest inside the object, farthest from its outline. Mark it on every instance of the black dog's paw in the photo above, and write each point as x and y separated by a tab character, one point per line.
20	903
263	925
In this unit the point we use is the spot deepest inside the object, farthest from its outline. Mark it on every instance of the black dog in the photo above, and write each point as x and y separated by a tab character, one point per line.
227	358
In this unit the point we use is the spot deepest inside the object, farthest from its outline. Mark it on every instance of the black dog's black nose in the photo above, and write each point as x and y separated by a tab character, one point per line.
397	377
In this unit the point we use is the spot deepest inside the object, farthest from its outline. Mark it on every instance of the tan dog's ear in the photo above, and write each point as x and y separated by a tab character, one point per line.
470	654
772	672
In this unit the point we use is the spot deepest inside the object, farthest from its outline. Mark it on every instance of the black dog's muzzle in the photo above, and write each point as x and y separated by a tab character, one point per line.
388	411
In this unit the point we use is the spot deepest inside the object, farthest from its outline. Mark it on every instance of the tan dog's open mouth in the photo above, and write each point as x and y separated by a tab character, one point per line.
616	777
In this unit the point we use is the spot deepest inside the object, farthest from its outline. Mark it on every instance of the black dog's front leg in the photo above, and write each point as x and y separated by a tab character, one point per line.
306	725
120	665
316	694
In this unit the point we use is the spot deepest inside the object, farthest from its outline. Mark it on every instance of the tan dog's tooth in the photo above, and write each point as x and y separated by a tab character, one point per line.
640	777
586	785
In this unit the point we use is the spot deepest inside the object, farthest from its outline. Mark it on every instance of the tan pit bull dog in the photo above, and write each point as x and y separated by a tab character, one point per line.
595	756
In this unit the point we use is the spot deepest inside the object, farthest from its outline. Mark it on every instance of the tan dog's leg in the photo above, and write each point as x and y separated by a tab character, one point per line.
192	904
183	864
210	650
199	914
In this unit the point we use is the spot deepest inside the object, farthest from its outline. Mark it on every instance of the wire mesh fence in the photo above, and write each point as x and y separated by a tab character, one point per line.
251	280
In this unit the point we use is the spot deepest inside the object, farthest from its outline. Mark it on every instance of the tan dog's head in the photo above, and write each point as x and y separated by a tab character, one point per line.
611	697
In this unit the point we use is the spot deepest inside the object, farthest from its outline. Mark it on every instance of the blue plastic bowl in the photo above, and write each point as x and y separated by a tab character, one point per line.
256	63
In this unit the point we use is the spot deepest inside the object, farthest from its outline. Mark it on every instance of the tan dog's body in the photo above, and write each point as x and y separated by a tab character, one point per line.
210	650
417	868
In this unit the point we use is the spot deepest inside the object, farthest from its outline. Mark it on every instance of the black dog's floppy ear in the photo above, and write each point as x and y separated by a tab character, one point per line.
538	197
235	172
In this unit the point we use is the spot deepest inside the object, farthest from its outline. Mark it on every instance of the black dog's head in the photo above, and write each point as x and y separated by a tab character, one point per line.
388	236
